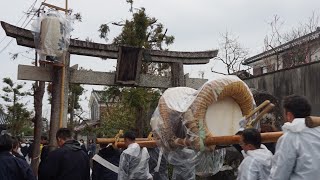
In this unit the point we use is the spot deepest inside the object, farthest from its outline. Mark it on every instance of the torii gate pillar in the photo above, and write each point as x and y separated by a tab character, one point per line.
57	84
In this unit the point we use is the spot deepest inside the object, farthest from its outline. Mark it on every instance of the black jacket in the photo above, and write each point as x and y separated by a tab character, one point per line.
13	168
18	155
100	172
66	163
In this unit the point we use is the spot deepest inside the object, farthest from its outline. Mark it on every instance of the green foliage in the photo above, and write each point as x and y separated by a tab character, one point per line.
143	31
78	17
18	115
120	118
104	30
123	107
28	130
132	108
75	91
8	81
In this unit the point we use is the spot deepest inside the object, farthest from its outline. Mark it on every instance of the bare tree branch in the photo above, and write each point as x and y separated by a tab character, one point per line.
231	53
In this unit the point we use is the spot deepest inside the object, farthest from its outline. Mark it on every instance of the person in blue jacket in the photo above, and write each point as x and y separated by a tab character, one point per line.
67	162
11	167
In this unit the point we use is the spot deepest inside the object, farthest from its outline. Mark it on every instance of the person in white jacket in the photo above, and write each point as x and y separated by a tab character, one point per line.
256	164
134	161
298	150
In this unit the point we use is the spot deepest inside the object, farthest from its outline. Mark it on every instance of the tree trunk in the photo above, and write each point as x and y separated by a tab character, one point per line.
139	122
39	88
72	111
38	97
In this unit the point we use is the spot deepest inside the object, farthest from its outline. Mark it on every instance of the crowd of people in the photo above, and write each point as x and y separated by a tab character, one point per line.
296	155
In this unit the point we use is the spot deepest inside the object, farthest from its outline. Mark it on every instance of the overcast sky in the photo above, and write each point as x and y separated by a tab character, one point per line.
196	25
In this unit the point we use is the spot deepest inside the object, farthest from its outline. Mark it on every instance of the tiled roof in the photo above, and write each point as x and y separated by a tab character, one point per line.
306	38
99	96
84	124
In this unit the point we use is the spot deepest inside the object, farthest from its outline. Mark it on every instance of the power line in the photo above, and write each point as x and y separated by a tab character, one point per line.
29	11
6	46
32	6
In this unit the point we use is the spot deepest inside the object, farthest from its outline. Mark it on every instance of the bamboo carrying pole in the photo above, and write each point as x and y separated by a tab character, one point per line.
266	109
262	105
112	140
209	141
312	121
218	140
235	139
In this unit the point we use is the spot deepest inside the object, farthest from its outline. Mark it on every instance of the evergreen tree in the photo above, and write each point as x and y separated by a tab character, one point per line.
134	106
18	115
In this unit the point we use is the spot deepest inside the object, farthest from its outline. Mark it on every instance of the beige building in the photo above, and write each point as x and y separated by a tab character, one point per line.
302	50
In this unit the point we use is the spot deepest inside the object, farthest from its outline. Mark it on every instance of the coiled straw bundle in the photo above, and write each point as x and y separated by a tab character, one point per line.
189	128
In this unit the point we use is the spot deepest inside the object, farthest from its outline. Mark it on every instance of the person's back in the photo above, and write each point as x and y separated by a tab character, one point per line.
24	149
99	172
159	170
11	167
66	163
297	151
137	162
134	160
91	148
302	145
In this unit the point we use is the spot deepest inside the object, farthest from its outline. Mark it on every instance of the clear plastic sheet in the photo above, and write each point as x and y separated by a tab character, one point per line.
134	163
183	161
210	162
162	172
52	34
180	124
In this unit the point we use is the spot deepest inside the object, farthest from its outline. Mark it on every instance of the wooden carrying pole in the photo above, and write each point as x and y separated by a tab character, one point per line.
113	140
235	139
218	140
262	105
312	121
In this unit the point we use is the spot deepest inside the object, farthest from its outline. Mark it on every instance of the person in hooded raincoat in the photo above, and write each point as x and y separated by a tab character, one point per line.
297	150
67	162
256	164
158	164
134	161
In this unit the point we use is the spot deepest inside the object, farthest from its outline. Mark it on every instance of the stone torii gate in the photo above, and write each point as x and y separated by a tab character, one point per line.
129	61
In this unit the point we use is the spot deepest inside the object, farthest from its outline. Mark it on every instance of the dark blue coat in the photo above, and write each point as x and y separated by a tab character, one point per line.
66	163
100	172
18	155
13	168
